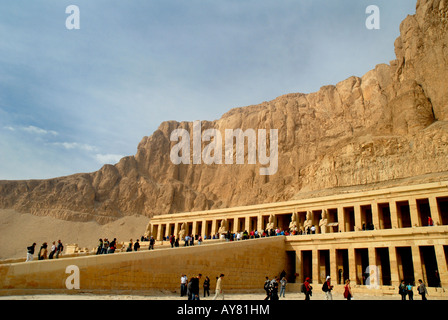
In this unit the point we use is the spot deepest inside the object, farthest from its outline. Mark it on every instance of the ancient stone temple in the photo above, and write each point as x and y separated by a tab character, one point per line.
401	233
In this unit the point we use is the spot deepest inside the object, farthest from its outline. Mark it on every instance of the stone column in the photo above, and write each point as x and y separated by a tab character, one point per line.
176	229
167	230
394	272
393	214
417	262
415	221
435	214
214	227
194	228
333	267
260	221
358	220
204	229
441	264
159	233
375	216
315	259
352	266
341	219
247	224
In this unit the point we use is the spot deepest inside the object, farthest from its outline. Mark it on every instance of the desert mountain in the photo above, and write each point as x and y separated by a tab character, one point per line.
388	127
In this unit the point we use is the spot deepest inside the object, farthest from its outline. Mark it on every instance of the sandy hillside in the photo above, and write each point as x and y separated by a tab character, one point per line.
18	230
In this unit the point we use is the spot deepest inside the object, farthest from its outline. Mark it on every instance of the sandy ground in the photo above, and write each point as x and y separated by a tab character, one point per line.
228	296
20	230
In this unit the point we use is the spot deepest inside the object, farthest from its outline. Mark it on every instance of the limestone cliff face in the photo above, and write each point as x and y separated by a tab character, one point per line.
388	126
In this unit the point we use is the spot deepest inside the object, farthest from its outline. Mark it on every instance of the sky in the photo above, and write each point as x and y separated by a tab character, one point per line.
72	100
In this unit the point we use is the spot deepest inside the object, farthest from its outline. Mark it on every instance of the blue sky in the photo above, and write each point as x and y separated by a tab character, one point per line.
73	100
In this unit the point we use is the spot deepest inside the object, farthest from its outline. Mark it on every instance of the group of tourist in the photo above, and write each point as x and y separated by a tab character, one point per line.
55	251
272	286
406	290
190	287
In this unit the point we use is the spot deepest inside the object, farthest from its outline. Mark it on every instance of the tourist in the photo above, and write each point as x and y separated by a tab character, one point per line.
191	240
327	287
172	240
98	251
30	252
186	240
42	252
218	290
313	229
308	288
176	243
59	249
274	289
105	246
136	245
267	286
112	246
183	285
189	293
430	222
410	291
206	286
53	250
129	248
348	290
402	290
283	286
200	240
195	287
152	241
422	289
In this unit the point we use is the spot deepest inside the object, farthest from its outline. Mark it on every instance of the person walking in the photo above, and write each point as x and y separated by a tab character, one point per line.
129	248
206	286
348	290
30	252
410	291
218	290
183	285
274	289
52	251
152	241
402	290
422	289
100	246
59	249
267	287
327	287
283	283
195	287
308	289
136	245
42	252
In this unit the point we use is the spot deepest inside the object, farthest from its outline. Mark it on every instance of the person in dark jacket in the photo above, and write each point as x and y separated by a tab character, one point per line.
30	252
207	286
194	289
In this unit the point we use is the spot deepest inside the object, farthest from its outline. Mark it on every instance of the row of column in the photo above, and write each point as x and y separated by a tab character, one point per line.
374	266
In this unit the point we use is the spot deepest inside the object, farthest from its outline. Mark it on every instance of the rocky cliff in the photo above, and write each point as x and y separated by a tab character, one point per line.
388	127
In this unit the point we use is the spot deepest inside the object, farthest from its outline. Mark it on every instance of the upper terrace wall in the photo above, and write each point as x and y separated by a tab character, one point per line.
244	263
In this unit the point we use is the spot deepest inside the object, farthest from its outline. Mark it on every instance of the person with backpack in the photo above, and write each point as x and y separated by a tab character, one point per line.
307	288
421	289
59	249
267	285
327	287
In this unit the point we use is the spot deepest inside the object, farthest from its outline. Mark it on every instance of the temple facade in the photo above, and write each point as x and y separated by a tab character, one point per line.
374	238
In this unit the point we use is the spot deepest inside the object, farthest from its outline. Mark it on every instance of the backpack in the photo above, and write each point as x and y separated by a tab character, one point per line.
303	289
325	287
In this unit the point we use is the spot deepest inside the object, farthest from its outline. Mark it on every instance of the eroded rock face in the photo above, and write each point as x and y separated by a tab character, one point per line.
391	124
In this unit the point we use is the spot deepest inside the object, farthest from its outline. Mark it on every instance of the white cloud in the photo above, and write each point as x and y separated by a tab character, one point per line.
75	145
40	131
108	158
